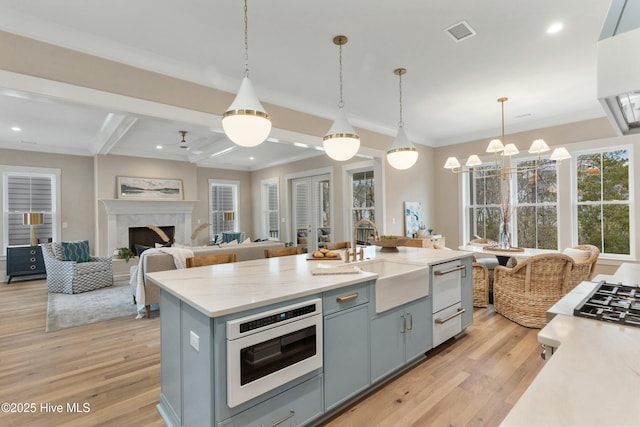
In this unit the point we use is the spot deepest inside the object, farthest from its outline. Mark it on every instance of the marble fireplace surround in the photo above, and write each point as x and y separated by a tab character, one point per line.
122	214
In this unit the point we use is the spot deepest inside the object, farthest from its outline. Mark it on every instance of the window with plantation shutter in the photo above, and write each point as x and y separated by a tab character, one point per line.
302	215
223	206
28	192
271	208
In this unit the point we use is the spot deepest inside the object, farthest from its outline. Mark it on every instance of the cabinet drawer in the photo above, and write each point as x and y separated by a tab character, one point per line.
446	286
296	406
447	323
343	298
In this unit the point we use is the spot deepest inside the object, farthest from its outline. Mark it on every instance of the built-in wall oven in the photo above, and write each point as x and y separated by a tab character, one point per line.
269	349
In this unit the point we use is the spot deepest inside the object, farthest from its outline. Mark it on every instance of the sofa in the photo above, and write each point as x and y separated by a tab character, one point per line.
163	261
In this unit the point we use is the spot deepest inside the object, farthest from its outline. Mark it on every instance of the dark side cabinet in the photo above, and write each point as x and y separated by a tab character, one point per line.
24	261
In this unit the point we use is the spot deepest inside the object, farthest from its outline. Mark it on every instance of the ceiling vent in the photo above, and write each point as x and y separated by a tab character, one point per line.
460	31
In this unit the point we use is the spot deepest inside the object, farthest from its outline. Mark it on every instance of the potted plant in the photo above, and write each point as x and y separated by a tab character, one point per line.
125	253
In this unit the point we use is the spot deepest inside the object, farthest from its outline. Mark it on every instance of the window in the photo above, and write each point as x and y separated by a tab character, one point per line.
271	208
533	199
28	190
603	210
484	203
223	206
537	205
363	202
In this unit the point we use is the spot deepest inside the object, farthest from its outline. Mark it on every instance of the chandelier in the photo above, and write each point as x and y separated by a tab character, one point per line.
504	152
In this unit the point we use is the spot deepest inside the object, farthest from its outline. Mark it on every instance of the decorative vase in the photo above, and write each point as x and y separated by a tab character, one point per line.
504	239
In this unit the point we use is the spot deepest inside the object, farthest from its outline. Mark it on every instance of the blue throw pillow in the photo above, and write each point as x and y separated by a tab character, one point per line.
229	236
76	251
140	249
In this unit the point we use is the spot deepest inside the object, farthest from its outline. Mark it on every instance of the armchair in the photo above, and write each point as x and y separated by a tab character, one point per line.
585	258
525	293
480	284
72	277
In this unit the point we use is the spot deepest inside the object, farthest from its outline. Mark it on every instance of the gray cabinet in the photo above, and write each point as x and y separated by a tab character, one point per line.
346	344
399	336
295	407
24	261
467	293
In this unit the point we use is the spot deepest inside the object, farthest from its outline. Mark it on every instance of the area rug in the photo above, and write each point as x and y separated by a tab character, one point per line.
66	311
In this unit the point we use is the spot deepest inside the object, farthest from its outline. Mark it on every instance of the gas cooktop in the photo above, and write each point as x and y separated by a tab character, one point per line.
612	302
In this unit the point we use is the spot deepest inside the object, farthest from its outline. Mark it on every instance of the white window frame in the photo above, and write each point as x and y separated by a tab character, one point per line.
236	197
631	202
515	204
54	174
266	212
467	188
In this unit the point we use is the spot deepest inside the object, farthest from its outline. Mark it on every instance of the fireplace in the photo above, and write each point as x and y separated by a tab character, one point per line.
123	214
145	236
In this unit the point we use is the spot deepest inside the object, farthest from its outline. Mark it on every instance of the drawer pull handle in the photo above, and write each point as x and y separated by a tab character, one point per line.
33	267
452	270
291	415
32	251
32	259
347	297
454	315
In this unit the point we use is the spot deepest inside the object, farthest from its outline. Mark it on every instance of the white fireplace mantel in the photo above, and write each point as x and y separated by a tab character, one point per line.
122	214
124	206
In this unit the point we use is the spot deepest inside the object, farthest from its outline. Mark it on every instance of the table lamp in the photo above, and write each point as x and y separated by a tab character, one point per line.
33	218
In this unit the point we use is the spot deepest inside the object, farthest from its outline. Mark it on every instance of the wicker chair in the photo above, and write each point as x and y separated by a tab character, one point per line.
338	245
71	277
525	293
582	271
291	250
480	285
199	261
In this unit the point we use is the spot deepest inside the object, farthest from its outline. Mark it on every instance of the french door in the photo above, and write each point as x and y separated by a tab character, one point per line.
311	211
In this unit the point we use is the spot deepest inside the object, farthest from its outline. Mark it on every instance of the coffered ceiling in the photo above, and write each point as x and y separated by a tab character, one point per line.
449	91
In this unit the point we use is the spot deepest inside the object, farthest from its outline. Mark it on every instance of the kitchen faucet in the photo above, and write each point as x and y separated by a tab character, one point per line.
376	236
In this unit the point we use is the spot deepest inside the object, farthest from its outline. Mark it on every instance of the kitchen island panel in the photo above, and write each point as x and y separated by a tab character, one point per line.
592	379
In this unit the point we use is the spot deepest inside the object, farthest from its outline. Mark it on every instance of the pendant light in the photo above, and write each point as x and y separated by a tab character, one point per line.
341	142
402	154
245	122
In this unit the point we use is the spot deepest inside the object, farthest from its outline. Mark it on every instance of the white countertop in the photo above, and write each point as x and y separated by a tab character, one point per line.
593	378
568	302
223	289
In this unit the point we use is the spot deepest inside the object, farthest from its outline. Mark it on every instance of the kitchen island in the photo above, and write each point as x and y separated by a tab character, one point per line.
592	379
592	373
356	342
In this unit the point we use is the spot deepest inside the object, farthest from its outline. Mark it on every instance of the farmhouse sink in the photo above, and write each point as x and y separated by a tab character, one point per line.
398	282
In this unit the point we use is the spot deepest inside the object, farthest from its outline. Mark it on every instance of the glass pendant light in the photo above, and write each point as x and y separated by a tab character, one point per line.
341	142
245	122
402	154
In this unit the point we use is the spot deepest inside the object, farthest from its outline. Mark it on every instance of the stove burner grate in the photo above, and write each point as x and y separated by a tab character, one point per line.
612	302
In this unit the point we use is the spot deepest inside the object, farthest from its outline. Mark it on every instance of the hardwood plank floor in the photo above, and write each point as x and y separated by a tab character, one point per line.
114	367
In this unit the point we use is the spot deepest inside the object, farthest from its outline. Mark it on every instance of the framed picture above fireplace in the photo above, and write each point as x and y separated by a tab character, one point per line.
128	187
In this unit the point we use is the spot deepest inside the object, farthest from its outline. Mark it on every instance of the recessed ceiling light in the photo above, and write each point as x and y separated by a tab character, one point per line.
252	158
159	147
16	128
555	28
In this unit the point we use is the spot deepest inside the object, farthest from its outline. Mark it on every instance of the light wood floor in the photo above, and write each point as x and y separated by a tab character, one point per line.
114	367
